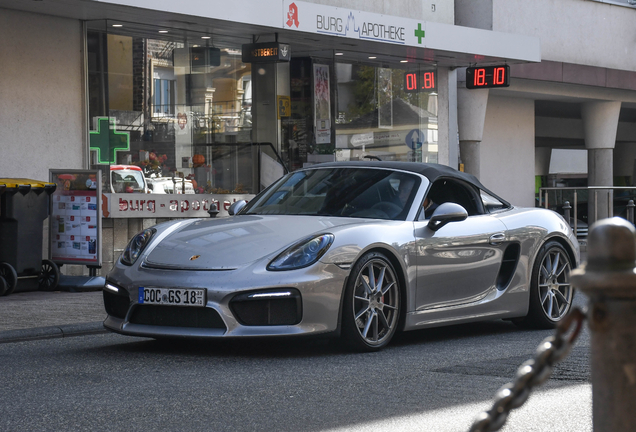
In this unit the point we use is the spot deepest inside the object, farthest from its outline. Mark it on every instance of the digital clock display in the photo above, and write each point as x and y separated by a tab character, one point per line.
488	77
421	81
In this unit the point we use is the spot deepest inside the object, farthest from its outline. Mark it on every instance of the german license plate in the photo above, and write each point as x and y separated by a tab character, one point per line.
172	296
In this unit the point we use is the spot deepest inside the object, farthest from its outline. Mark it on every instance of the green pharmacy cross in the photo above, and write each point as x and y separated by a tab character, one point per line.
419	33
108	142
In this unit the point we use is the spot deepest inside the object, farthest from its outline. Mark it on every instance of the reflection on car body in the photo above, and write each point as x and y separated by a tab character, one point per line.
345	249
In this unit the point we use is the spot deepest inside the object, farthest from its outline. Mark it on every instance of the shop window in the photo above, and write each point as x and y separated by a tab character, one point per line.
161	114
378	116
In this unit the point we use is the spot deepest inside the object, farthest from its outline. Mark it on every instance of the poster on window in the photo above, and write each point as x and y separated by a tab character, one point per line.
322	104
75	218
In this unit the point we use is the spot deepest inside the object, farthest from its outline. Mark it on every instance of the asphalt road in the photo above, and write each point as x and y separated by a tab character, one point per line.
429	380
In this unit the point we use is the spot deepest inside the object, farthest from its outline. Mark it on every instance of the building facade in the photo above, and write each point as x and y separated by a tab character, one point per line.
227	98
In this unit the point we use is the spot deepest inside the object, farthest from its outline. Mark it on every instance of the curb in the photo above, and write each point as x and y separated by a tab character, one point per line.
52	332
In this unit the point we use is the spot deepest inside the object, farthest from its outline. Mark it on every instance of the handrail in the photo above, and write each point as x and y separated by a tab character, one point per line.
543	192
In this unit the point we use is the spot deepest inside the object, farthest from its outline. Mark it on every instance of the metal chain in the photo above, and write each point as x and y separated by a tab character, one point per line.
531	373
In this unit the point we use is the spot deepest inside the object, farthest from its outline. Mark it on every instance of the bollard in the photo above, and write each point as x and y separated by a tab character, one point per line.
630	211
566	212
214	210
608	279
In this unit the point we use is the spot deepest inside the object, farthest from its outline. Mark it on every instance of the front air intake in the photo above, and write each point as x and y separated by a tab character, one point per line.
268	308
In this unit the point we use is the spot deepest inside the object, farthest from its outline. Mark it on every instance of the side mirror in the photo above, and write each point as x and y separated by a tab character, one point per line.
236	207
445	213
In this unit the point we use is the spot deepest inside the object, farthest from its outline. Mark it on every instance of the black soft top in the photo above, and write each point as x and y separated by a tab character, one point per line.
432	171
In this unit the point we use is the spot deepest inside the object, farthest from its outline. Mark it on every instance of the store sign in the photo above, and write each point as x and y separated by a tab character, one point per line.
487	77
348	23
167	205
75	228
266	52
344	22
421	81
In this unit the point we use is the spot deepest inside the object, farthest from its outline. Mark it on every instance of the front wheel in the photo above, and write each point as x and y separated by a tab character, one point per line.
551	293
372	304
49	276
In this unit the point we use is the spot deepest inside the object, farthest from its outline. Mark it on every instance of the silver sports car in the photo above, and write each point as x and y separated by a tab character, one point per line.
359	250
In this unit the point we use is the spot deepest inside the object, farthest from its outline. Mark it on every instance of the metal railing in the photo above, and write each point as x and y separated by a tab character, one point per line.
571	196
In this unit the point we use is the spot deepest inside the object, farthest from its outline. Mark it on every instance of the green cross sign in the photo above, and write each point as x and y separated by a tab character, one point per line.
419	33
108	142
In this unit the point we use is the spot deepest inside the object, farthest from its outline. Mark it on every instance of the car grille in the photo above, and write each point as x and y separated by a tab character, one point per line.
252	310
116	305
177	316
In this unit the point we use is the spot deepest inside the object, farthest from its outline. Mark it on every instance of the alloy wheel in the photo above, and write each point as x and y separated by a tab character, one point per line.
555	290
376	302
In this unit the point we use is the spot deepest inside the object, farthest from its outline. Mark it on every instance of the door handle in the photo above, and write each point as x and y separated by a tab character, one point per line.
496	239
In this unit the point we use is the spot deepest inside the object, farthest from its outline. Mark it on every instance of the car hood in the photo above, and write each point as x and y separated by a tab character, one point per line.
226	244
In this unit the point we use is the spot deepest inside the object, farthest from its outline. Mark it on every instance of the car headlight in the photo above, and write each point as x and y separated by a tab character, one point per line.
136	246
302	254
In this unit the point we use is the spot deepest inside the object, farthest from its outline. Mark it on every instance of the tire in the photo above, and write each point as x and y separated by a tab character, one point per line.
49	276
372	304
3	286
551	293
7	272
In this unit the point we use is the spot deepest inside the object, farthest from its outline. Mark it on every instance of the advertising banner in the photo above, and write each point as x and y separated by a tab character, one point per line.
322	104
75	219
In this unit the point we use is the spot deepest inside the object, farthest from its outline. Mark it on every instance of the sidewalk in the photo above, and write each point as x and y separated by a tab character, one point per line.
42	315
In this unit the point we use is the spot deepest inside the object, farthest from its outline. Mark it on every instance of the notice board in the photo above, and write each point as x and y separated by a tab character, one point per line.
75	223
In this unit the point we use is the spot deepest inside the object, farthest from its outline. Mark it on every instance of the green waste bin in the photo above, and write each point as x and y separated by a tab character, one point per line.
24	205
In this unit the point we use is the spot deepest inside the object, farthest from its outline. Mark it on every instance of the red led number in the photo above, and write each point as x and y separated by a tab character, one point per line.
416	82
480	77
429	80
488	76
499	76
411	82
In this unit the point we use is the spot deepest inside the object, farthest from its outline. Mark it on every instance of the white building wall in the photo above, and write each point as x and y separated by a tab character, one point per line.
41	95
573	31
507	149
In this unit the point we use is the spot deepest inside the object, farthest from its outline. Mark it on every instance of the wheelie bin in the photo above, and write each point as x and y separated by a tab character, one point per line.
24	205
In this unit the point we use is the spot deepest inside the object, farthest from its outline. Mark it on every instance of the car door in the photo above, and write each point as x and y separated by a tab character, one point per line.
458	263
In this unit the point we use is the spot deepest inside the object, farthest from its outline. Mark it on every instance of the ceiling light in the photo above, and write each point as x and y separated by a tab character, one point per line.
404	61
205	37
118	25
339	53
163	31
372	57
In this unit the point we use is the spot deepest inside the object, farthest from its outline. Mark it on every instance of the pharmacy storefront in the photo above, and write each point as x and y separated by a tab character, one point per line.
193	105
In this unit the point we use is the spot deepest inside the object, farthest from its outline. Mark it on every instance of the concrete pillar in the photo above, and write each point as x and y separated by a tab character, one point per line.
269	80
471	113
447	117
600	124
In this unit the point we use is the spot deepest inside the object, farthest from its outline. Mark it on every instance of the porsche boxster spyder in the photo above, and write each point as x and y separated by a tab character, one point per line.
359	250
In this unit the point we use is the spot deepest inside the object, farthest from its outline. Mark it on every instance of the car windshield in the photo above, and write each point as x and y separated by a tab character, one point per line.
126	181
350	192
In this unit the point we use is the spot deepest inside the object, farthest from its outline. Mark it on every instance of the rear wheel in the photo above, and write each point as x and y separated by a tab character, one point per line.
372	304
8	273
551	293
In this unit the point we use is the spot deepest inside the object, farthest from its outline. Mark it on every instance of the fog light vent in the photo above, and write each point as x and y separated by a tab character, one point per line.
268	308
116	304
